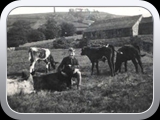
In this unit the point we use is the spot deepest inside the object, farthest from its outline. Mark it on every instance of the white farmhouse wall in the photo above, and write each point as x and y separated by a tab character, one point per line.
135	27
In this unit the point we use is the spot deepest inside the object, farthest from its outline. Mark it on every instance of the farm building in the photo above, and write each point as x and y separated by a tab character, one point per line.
80	27
88	22
112	28
146	26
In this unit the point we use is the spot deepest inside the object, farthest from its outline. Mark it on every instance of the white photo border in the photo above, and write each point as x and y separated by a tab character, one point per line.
82	3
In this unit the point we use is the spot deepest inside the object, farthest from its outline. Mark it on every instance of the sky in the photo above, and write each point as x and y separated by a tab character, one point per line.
112	10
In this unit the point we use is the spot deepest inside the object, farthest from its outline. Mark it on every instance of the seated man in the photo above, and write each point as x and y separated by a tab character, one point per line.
72	62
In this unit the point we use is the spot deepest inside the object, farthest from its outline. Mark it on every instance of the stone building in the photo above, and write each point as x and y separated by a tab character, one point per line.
80	27
146	26
112	28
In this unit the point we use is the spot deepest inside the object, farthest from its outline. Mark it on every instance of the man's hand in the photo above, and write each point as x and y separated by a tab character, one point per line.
63	73
70	65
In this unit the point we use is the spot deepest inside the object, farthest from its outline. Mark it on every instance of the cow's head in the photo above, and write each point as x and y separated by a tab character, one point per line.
84	50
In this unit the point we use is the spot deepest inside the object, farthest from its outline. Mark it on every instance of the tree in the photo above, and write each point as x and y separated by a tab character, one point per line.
35	35
17	35
50	29
67	29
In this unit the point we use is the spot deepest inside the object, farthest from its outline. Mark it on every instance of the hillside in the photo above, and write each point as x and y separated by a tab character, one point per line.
36	20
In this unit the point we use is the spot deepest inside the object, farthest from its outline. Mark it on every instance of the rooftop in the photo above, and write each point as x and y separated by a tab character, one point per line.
147	19
115	23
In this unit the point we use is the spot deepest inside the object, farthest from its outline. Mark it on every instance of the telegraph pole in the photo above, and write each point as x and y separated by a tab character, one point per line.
54	9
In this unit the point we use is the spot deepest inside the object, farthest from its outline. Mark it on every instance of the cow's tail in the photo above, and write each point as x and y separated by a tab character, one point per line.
136	46
112	55
112	47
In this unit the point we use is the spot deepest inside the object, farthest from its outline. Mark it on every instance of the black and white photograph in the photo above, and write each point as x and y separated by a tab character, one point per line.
79	60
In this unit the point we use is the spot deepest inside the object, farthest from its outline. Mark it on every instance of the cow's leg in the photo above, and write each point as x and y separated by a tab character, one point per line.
47	65
135	64
79	80
32	65
125	65
92	68
77	74
111	66
120	67
69	83
113	62
97	68
112	73
140	64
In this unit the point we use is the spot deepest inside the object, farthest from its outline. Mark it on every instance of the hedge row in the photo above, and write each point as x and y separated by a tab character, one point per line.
144	42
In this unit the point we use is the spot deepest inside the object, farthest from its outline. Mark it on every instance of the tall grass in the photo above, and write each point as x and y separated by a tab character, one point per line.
125	93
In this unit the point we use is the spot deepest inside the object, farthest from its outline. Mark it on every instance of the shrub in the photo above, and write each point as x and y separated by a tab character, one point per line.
62	43
117	42
14	38
22	33
17	35
144	42
82	43
51	29
67	29
35	35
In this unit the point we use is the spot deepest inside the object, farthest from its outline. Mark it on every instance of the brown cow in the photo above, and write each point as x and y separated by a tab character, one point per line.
100	53
57	81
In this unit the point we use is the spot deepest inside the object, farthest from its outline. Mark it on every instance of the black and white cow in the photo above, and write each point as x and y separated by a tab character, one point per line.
40	54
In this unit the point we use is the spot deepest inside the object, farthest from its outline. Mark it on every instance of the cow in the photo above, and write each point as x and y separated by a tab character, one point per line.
57	81
126	53
95	54
41	54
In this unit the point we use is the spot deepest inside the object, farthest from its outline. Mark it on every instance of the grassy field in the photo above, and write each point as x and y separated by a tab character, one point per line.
125	93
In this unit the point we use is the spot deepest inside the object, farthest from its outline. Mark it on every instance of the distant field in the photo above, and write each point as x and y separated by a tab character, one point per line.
36	20
37	43
125	93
